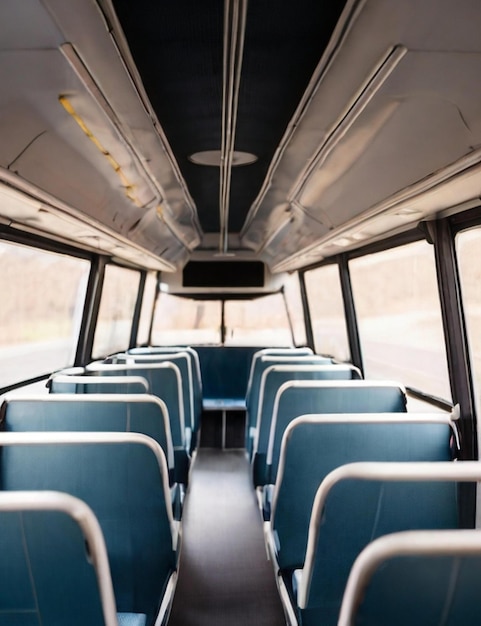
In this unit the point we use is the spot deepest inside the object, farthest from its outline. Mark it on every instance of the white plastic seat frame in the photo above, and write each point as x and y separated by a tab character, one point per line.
461	471
14	501
461	543
85	379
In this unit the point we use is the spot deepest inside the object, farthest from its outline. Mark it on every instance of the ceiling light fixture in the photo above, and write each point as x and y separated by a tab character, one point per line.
214	158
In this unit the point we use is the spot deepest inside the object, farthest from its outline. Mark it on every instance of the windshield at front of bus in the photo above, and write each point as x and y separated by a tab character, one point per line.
261	321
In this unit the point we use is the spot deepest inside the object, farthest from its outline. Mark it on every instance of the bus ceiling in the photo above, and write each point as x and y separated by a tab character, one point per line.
159	132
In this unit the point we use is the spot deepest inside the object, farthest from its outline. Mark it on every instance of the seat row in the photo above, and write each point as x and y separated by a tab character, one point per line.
286	384
171	374
344	493
89	495
341	481
107	444
121	480
322	515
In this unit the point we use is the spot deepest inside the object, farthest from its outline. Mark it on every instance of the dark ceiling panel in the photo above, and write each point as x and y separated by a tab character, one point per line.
177	46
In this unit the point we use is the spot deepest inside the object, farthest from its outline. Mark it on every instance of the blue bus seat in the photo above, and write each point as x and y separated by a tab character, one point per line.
273	376
195	366
300	397
314	445
61	383
165	382
123	478
288	351
141	413
190	386
225	370
357	503
266	361
416	578
47	576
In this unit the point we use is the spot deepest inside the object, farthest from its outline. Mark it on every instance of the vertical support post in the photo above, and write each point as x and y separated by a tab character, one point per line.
350	313
154	304
289	319
455	334
306	311
90	314
222	323
138	309
457	353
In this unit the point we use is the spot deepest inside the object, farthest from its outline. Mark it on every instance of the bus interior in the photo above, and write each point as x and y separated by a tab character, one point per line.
240	323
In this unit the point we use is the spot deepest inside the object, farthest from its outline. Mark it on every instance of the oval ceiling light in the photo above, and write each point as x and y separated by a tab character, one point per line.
212	157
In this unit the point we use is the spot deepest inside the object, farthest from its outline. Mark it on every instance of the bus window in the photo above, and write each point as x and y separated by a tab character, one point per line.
117	305
467	245
399	315
185	321
258	322
324	296
147	309
43	295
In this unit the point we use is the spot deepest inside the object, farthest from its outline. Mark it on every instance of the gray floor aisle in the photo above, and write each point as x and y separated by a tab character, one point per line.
224	576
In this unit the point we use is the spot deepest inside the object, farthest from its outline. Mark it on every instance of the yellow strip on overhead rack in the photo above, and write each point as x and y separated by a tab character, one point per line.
127	186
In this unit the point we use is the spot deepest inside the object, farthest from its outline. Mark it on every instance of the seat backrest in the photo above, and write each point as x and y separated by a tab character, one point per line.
274	376
123	477
183	360
196	373
416	578
225	371
301	397
272	352
164	381
95	413
360	502
47	576
97	384
267	361
313	446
